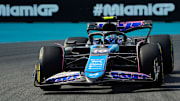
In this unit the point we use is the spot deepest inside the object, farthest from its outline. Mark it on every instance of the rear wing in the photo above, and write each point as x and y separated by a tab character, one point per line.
120	26
125	26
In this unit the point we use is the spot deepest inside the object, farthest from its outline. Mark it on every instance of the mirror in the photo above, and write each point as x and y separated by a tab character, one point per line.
71	42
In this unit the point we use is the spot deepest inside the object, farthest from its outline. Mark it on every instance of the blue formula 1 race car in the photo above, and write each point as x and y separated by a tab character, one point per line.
107	56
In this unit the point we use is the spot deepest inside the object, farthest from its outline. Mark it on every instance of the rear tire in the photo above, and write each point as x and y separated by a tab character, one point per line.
167	50
50	60
150	57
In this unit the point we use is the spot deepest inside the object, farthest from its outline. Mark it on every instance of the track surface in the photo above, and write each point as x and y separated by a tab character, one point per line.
16	83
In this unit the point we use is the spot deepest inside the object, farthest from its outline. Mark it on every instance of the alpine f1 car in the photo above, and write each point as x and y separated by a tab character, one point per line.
107	56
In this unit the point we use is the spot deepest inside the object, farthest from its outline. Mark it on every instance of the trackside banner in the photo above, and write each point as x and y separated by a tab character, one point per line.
28	10
87	10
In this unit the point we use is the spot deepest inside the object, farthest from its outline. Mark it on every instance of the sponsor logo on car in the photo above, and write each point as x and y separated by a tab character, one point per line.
93	74
96	64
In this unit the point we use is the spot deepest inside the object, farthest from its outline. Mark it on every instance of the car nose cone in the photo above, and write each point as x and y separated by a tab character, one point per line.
92	77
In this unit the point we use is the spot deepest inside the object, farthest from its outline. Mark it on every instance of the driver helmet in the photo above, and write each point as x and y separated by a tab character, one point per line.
119	40
111	38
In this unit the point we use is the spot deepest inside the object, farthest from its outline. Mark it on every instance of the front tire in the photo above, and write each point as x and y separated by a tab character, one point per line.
167	50
151	64
50	63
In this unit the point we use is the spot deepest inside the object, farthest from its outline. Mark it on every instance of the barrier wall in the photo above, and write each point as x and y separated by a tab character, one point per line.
87	10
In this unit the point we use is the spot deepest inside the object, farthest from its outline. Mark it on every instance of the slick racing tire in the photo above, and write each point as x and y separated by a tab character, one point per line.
151	64
50	60
80	41
167	50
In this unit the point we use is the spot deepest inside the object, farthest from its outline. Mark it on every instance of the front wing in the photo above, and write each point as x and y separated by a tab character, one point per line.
76	77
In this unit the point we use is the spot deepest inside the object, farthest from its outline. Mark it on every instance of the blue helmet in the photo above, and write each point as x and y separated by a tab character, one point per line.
111	39
114	39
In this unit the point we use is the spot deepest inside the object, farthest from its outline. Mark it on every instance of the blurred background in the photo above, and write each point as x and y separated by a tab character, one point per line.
42	20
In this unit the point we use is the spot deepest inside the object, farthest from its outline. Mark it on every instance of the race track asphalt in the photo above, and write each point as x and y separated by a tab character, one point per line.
16	83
